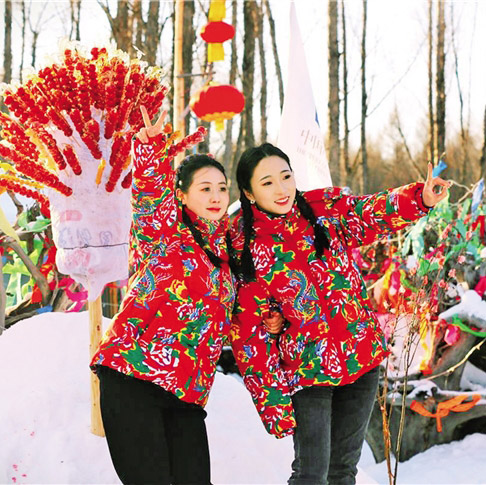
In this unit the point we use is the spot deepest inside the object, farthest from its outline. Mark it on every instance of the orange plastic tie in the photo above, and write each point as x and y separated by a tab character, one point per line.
455	404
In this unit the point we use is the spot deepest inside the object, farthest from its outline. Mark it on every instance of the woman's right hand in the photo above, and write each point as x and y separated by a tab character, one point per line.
150	130
274	322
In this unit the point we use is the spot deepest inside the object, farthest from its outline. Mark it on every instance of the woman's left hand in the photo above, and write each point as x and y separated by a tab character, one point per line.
429	195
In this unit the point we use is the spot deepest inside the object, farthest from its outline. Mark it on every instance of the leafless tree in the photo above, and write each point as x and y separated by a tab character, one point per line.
364	104
482	160
273	36
7	48
246	137
430	83
263	74
228	145
345	166
333	99
75	7
189	38
440	104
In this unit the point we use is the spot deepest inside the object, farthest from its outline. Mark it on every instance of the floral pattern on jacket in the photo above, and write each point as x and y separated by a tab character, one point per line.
177	312
331	336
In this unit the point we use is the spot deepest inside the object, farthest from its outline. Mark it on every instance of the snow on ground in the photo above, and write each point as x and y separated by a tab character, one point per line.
45	429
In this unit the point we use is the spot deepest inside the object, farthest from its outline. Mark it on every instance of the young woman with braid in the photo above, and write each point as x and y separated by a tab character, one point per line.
317	380
157	361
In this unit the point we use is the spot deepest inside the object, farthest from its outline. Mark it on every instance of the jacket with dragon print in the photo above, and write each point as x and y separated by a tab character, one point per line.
177	312
331	336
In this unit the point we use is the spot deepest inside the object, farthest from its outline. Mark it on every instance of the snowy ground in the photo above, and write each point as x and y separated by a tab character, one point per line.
45	437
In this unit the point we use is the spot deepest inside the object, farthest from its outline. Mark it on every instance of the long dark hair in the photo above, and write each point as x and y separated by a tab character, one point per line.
184	178
244	172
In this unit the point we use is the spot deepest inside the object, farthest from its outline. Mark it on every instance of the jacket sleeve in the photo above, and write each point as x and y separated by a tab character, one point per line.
154	207
364	219
257	356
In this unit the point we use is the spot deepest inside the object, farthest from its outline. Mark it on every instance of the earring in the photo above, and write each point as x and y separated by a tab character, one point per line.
252	201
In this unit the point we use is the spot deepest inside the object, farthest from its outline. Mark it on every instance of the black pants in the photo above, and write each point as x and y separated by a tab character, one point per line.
331	426
153	437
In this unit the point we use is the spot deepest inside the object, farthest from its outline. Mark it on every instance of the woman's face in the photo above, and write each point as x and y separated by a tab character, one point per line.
272	185
208	195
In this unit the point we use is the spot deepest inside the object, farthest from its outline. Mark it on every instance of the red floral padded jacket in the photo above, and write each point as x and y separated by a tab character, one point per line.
177	312
331	336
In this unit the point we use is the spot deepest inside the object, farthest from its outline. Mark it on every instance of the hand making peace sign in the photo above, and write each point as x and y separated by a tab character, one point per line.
429	196
149	130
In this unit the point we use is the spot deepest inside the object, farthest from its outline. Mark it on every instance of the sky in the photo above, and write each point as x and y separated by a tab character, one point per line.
396	63
45	422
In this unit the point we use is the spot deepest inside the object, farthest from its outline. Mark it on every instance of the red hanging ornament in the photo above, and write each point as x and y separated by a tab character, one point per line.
215	33
217	103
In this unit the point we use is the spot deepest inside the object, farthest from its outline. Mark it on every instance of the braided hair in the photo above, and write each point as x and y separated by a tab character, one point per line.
183	180
244	173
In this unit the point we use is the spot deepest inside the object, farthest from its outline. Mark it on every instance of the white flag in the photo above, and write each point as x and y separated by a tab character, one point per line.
300	136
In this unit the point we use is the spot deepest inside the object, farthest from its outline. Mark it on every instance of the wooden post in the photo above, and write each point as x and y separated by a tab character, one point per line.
178	73
95	330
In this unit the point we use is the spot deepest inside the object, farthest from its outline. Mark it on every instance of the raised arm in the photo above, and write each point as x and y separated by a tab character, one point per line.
153	202
363	219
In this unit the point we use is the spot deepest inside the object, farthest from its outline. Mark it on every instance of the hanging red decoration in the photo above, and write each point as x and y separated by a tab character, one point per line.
217	103
215	33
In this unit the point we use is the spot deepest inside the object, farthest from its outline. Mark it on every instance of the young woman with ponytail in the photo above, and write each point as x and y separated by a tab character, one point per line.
316	380
157	360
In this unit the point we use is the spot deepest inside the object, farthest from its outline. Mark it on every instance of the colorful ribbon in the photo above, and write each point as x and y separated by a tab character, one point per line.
455	404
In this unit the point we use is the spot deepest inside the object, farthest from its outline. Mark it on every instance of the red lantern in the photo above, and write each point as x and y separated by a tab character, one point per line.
215	33
217	103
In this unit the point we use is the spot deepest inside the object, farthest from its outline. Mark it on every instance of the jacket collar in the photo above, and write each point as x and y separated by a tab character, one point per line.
206	226
267	223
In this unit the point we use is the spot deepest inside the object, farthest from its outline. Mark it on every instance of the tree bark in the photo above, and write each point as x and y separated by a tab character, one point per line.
22	49
273	36
440	79
432	135
249	16
482	161
75	6
189	38
263	75
121	25
7	48
139	26
152	33
333	100
345	156
228	144
364	104
464	132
